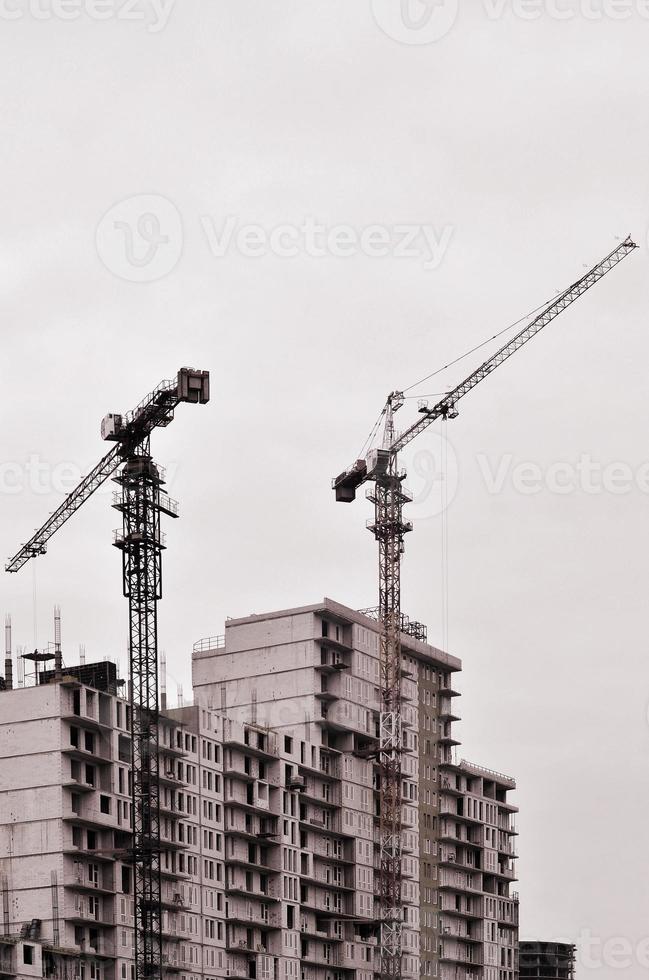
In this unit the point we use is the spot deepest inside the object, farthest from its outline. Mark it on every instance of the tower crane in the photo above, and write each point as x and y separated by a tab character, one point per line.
141	502
381	470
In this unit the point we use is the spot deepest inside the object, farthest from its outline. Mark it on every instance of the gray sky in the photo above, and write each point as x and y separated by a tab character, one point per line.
511	141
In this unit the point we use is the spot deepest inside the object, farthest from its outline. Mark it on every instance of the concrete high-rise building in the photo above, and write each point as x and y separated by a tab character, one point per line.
268	816
65	817
313	673
479	913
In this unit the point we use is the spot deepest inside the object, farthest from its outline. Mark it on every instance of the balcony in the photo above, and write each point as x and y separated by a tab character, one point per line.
313	793
89	722
172	751
446	712
451	856
448	740
459	931
245	777
267	837
240	914
172	844
503	872
508	914
101	949
453	953
174	874
87	816
327	692
78	785
244	860
349	961
81	754
446	689
328	881
508	827
171	963
251	740
244	946
79	881
333	854
319	956
101	918
328	768
471	910
461	882
330	905
253	890
328	643
169	810
95	853
331	828
446	809
255	804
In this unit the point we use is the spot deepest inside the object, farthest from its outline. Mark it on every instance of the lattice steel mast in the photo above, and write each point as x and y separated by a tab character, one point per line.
141	502
381	468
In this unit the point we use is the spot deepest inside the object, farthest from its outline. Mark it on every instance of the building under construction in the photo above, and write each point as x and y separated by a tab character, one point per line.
268	816
547	961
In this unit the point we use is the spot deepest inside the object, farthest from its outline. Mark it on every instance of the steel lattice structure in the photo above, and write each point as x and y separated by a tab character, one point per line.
387	494
140	541
141	502
389	529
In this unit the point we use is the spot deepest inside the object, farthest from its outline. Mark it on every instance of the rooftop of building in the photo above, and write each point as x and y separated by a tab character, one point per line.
548	946
497	777
344	615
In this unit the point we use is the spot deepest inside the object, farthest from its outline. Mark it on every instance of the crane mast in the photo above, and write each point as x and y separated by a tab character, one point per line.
141	502
387	493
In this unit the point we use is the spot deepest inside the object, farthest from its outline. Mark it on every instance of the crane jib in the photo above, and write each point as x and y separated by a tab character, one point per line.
346	484
557	306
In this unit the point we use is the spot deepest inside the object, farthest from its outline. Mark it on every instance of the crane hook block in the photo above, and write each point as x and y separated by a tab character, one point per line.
193	386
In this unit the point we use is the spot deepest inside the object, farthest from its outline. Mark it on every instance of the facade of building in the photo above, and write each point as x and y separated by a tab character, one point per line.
268	817
479	913
314	672
65	833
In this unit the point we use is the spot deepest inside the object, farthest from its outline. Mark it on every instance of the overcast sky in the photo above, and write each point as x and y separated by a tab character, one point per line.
320	203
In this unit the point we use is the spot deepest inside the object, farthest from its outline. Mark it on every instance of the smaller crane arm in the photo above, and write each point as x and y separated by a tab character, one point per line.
37	544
